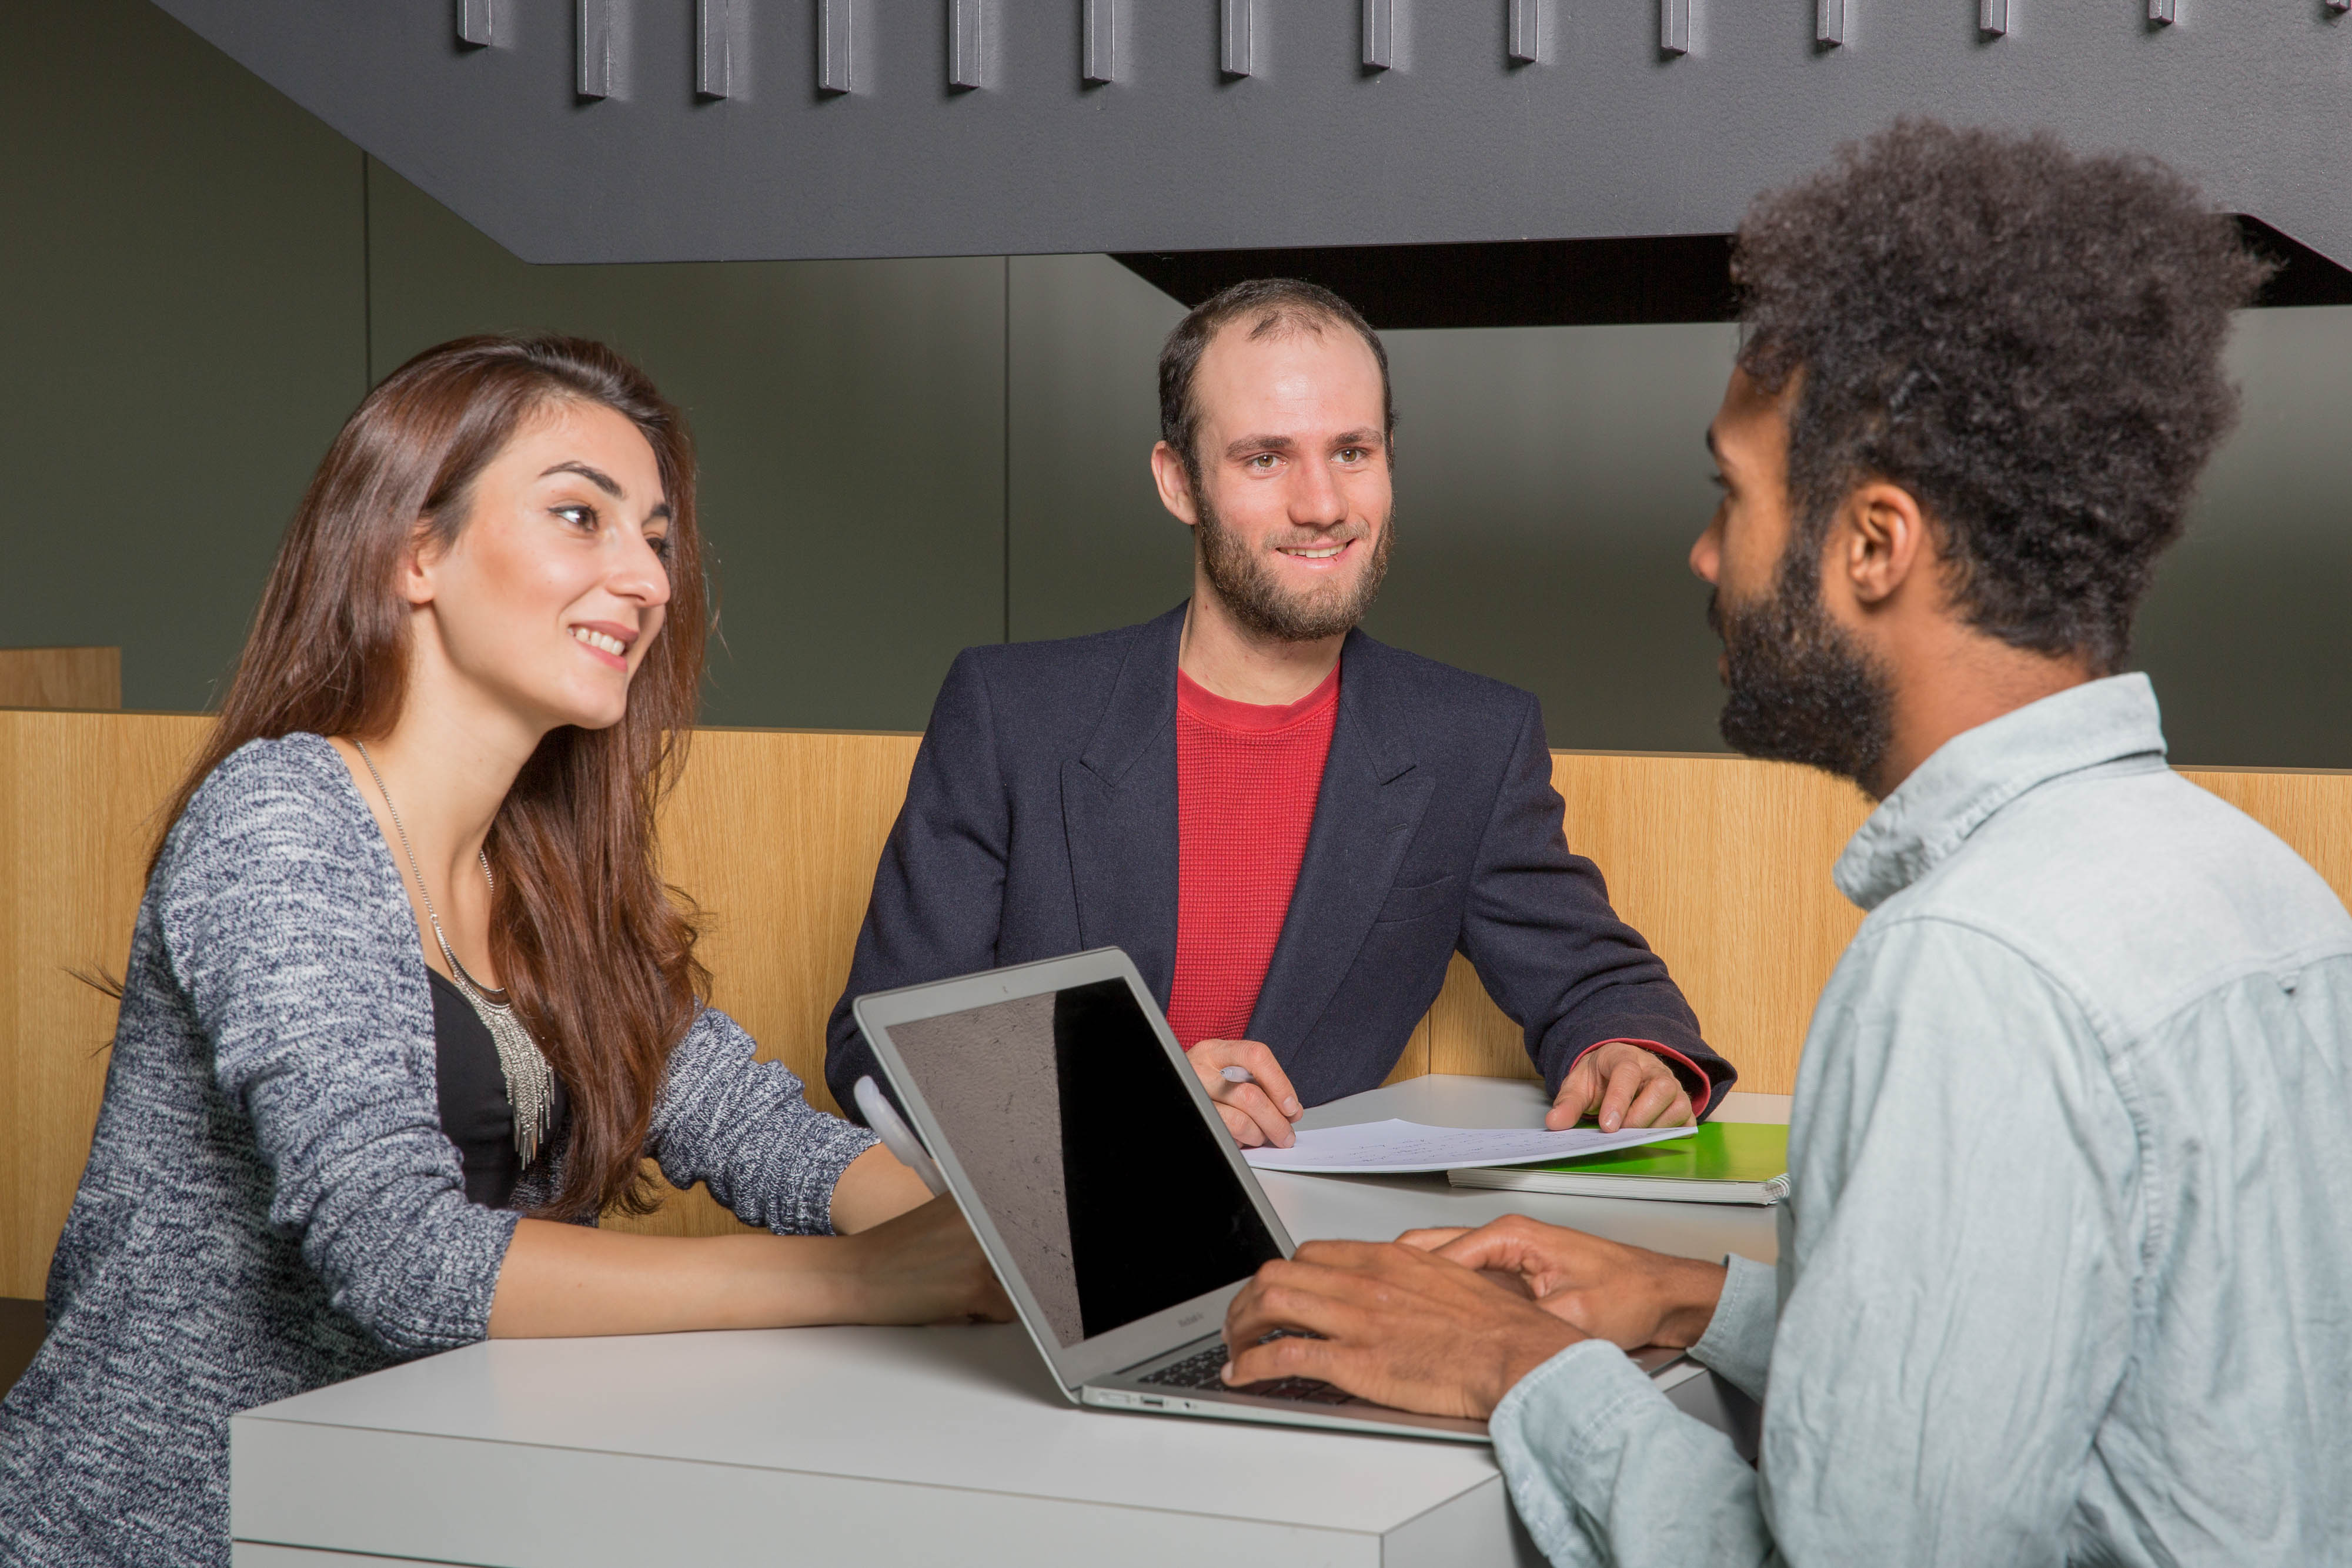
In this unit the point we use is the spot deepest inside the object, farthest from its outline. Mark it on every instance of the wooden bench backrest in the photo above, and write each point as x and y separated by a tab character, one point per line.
1722	862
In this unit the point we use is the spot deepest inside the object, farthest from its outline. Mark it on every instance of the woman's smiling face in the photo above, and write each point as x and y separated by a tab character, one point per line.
556	584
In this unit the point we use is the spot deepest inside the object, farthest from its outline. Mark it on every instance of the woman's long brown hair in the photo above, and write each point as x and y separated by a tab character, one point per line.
596	956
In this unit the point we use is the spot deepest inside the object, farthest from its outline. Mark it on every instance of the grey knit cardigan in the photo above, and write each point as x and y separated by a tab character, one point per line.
271	1205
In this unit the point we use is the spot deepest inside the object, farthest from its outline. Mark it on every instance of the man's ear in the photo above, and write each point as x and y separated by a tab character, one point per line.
1882	543
1175	483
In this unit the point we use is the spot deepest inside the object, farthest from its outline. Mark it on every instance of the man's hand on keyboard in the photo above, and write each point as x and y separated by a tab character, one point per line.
1397	1324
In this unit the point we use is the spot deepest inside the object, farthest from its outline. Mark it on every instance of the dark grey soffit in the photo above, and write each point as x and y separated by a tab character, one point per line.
1606	134
1582	282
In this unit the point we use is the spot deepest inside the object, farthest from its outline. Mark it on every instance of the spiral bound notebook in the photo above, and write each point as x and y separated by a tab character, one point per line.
1723	1162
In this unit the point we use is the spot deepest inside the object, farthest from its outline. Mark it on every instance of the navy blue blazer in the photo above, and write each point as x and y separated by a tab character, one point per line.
1040	819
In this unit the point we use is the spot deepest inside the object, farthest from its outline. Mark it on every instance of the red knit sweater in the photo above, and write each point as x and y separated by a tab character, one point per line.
1247	778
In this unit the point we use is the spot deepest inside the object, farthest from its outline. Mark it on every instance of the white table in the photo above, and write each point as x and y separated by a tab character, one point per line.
881	1447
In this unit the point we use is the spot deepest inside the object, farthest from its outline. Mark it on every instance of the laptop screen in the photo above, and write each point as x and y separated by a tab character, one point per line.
1111	1192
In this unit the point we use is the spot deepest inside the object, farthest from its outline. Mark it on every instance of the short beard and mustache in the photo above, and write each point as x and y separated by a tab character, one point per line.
1801	690
1244	580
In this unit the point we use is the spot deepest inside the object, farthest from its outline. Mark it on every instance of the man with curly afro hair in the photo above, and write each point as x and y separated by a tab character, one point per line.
2062	1276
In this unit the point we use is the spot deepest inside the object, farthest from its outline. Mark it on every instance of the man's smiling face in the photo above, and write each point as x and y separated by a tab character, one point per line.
1291	494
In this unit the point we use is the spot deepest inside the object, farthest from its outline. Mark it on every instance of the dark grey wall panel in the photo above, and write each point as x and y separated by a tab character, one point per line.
1091	546
1550	482
2248	634
1608	134
851	418
180	334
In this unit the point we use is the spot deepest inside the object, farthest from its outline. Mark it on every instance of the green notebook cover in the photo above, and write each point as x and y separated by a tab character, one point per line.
1719	1151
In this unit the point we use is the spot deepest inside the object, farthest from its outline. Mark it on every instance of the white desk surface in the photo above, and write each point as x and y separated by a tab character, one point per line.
889	1446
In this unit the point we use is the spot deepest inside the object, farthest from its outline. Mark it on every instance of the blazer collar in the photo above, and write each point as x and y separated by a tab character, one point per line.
1372	797
1119	810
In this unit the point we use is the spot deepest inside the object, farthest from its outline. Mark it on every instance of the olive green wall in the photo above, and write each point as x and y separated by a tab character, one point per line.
850	417
903	457
182	330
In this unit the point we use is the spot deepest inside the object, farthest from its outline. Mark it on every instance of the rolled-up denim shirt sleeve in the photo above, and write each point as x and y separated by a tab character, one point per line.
1594	1453
1738	1339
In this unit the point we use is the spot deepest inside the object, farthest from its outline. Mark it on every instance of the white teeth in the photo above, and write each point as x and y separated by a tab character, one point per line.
1324	554
597	639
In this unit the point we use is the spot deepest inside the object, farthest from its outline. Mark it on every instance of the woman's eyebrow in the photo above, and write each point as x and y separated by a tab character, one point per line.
596	476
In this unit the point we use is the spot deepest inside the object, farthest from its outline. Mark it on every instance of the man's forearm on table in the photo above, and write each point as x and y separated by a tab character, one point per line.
1594	1453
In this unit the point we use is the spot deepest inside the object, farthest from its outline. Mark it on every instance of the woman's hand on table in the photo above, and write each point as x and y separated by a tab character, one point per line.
924	1267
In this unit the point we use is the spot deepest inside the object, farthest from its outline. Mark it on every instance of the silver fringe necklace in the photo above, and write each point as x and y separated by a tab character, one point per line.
530	1081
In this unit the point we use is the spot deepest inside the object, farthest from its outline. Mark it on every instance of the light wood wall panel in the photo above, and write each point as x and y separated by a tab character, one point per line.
775	833
61	677
78	793
1722	862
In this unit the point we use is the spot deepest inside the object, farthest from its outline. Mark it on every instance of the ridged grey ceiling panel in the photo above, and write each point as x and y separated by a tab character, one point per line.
712	130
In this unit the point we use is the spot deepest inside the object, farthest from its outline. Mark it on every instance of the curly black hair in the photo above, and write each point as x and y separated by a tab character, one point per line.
2027	338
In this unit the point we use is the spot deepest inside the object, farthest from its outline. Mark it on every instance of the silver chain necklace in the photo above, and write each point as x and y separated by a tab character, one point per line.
530	1081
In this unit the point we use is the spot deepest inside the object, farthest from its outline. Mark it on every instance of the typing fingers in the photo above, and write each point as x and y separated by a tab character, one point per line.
1429	1241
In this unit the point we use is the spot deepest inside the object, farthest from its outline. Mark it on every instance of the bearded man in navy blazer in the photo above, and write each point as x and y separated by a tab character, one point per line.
1289	827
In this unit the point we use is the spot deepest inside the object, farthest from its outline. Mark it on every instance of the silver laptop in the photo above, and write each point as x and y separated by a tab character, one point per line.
1103	1186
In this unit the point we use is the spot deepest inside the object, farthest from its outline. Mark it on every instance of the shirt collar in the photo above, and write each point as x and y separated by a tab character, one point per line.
1979	772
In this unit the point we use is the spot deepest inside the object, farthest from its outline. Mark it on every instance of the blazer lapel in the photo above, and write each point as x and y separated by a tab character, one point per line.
1119	810
1371	802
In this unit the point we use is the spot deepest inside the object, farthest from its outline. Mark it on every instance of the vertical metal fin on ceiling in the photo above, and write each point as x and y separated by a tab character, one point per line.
1993	17
595	23
475	24
1829	21
2164	12
966	43
1098	39
714	48
835	19
1237	39
1674	27
1380	34
1525	42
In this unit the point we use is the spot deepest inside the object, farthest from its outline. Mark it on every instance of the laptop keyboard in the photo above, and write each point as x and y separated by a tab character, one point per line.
1201	1372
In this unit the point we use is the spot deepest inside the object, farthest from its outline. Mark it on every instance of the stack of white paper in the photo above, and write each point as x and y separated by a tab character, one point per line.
1399	1148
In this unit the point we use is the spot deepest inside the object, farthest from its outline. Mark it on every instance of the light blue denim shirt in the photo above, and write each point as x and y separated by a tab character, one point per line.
2066	1272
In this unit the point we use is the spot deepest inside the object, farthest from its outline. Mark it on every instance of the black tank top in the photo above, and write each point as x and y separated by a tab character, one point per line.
475	1113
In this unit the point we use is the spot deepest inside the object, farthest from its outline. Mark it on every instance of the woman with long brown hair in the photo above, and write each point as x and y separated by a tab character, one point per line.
407	991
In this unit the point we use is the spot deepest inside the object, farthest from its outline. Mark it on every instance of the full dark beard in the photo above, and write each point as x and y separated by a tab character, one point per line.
1244	580
1801	690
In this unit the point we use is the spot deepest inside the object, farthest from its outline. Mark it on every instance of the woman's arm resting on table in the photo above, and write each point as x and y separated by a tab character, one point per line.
566	1282
875	1187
